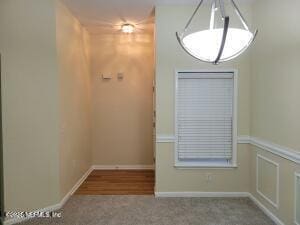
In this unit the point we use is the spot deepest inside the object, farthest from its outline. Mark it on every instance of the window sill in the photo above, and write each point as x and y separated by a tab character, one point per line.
205	166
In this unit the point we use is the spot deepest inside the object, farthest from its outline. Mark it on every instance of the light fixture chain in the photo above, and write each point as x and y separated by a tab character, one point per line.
239	14
192	17
212	15
222	9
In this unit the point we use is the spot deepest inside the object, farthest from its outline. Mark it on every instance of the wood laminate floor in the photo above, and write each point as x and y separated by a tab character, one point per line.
118	182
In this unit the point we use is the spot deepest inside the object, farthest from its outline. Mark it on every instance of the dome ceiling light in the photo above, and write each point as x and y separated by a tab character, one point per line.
127	28
215	45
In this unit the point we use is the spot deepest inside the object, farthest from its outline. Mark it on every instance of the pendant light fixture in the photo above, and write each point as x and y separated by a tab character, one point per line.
217	44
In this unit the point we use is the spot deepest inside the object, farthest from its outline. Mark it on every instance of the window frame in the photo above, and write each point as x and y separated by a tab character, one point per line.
233	162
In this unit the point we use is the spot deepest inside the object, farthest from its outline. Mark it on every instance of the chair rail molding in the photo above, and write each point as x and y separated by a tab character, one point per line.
282	151
165	138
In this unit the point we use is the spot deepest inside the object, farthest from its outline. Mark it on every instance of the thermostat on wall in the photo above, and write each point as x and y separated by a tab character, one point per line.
120	76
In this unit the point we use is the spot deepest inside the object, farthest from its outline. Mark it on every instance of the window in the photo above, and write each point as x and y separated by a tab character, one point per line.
205	119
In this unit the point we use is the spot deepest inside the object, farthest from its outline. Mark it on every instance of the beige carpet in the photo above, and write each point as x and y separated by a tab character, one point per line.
147	210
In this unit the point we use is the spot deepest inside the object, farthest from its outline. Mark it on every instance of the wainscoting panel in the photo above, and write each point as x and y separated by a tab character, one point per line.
267	183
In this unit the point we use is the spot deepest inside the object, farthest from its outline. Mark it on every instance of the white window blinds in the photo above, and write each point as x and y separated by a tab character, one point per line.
204	112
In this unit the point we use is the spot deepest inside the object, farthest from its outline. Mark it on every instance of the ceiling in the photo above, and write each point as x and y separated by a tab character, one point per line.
106	16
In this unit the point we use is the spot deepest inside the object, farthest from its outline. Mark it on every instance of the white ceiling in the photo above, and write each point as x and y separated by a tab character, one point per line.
102	16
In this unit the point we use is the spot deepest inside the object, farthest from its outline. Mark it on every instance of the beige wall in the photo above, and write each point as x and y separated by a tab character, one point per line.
122	109
275	73
46	102
170	179
170	57
30	103
268	104
75	87
275	105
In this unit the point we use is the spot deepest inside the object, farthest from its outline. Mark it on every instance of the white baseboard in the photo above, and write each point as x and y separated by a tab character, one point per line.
274	218
56	206
202	194
76	186
123	167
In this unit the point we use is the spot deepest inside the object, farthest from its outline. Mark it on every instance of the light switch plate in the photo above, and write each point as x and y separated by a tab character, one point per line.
106	76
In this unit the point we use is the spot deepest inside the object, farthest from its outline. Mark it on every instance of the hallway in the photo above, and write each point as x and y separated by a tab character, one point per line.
118	182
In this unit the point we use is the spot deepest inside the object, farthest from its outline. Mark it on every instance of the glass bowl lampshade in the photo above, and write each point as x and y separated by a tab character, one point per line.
217	45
